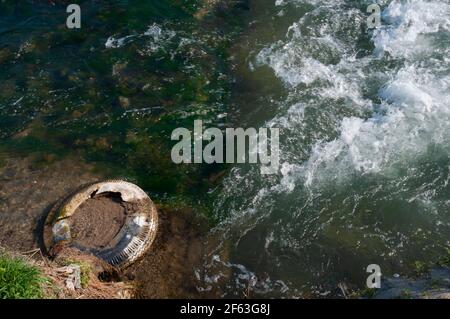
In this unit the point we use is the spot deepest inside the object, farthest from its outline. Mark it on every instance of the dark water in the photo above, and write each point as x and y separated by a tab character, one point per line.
365	148
364	115
68	91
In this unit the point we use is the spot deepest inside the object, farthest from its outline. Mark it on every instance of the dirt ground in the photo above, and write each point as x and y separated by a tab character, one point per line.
28	191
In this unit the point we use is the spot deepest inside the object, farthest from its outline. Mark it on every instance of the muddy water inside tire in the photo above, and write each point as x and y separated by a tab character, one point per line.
98	221
114	220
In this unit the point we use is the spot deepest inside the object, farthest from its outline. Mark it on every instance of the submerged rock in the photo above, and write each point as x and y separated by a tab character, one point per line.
5	55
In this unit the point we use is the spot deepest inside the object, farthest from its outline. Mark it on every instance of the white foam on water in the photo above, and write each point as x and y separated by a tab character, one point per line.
156	36
389	130
415	100
408	22
114	43
319	56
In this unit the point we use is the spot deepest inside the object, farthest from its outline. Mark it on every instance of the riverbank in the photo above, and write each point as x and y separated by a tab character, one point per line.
30	187
110	116
72	276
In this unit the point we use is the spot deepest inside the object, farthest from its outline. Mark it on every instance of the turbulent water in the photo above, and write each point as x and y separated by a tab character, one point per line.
364	117
365	122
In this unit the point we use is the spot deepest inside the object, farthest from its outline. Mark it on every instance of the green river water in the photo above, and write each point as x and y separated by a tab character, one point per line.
364	118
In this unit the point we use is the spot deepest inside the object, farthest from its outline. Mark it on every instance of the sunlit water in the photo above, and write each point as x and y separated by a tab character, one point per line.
112	91
364	118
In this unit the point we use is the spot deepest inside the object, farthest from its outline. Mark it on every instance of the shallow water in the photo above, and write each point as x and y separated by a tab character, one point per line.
114	90
364	118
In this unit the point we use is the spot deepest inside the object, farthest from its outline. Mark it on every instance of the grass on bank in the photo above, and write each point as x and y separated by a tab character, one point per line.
19	279
22	277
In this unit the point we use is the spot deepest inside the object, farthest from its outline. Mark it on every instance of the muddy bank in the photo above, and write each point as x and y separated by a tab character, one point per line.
28	191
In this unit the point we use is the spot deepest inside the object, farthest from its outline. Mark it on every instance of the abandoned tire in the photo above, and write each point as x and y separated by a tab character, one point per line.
114	220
